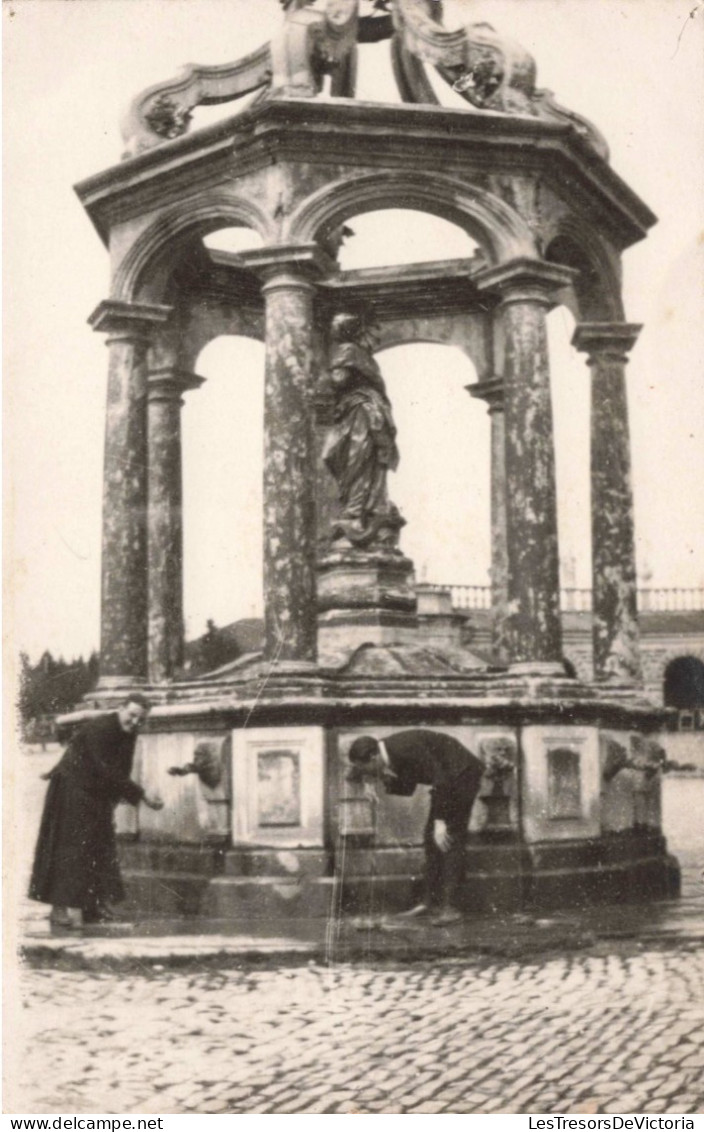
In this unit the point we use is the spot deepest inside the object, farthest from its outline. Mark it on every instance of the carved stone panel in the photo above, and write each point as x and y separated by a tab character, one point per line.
278	787
561	787
277	776
564	783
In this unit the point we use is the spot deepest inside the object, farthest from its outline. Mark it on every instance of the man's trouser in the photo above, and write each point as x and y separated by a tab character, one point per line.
444	872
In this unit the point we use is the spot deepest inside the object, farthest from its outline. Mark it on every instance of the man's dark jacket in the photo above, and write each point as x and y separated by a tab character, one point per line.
431	758
75	863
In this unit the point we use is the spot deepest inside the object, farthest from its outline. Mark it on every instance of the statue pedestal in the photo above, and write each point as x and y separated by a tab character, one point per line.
365	597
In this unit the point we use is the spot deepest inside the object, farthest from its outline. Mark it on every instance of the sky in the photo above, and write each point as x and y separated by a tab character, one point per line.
71	66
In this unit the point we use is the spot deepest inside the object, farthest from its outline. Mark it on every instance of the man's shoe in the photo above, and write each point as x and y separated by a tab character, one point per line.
416	913
102	916
62	920
447	916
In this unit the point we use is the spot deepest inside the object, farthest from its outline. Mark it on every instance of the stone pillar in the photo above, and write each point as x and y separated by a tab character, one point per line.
527	289
166	387
491	390
289	450
614	616
123	617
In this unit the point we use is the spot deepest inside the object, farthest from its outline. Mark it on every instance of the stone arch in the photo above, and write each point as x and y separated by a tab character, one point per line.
143	273
656	662
208	320
467	335
498	229
596	292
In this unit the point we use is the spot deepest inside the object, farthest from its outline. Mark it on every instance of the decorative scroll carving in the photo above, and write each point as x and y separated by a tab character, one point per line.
489	70
485	68
174	101
167	118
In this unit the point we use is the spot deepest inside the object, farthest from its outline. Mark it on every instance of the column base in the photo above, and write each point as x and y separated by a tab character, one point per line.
365	597
346	630
538	668
292	667
111	683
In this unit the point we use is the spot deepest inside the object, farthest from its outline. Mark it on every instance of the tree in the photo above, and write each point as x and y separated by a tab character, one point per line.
50	688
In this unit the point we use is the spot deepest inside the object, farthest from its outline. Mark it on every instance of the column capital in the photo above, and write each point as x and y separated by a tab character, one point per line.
169	383
606	339
288	264
131	320
526	280
489	389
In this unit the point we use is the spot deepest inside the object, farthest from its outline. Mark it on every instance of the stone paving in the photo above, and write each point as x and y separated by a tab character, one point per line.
615	1029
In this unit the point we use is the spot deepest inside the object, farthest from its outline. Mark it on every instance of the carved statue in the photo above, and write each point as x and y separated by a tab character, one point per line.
320	37
360	448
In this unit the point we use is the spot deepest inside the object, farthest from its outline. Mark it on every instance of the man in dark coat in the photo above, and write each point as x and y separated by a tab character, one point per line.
75	862
407	759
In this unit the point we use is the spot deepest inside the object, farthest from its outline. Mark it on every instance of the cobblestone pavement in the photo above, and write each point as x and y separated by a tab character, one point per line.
614	1030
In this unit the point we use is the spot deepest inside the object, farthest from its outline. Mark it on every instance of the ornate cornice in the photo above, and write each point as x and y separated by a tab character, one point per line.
354	135
115	317
606	339
491	390
526	280
301	263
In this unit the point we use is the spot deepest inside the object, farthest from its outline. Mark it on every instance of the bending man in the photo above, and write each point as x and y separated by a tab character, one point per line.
75	863
410	758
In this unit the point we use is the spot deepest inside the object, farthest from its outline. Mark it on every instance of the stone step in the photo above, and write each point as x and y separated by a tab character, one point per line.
228	896
285	863
164	894
143	856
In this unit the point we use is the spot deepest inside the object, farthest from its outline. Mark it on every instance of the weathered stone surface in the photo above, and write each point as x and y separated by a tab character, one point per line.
165	520
123	644
614	617
364	597
289	461
492	391
527	289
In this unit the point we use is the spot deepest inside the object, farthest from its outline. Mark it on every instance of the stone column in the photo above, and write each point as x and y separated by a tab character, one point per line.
614	616
166	387
528	290
123	617
289	450
491	390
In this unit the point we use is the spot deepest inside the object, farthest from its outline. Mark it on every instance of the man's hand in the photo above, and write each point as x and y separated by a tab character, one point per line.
441	837
371	792
153	803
